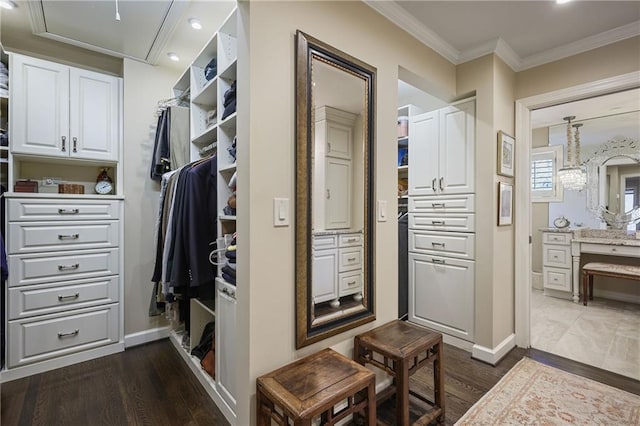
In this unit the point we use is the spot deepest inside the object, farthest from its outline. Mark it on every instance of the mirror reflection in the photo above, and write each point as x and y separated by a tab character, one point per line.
334	187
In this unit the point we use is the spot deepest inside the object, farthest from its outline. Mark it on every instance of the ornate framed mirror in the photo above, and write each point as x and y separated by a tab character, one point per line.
335	99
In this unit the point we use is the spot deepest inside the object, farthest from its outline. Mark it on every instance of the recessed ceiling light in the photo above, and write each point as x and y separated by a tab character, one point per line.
8	4
173	56
562	1
195	23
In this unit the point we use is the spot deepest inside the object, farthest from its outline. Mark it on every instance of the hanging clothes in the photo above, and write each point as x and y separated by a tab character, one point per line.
171	145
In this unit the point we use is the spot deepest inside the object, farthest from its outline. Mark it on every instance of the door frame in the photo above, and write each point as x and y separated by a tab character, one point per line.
523	109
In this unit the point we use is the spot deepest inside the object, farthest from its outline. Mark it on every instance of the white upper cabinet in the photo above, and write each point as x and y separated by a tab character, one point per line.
61	111
442	151
39	107
94	118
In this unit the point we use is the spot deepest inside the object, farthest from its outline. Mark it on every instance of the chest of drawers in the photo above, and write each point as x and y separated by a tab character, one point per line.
64	288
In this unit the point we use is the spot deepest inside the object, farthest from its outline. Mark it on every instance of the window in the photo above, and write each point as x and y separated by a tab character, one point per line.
545	162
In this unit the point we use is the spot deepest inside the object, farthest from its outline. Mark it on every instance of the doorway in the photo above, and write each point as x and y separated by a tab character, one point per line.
524	107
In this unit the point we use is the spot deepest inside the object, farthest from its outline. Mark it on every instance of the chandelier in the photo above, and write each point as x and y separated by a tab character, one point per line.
573	176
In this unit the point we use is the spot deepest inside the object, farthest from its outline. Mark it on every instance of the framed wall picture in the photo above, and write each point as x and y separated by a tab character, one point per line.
505	204
506	147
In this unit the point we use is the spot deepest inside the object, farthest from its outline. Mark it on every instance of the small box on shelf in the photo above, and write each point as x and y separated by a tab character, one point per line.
26	185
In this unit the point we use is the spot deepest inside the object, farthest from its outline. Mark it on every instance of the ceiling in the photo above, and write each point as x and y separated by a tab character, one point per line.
524	34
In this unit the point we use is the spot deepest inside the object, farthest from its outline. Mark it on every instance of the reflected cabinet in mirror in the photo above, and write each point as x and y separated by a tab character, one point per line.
335	101
613	183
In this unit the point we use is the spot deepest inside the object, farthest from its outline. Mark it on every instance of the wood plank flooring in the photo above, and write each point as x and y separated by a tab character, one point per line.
145	385
150	385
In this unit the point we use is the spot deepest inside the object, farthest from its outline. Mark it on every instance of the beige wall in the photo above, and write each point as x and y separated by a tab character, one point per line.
271	168
608	61
539	211
144	85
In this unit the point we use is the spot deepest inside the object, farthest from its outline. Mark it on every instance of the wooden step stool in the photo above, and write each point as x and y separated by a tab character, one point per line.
317	385
628	272
404	348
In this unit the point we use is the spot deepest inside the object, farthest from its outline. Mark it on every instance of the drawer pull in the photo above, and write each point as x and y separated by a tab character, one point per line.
437	222
68	237
351	259
65	211
352	240
64	144
440	261
229	293
433	184
351	283
437	205
614	249
75	144
435	244
72	296
62	335
68	267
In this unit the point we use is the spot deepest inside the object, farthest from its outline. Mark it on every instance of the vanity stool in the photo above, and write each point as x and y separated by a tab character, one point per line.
404	348
324	384
628	272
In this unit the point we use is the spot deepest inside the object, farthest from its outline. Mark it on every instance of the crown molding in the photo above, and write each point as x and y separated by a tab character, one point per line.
399	16
589	43
404	20
36	17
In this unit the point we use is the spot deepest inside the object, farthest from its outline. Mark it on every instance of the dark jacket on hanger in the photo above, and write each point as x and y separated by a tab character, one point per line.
161	150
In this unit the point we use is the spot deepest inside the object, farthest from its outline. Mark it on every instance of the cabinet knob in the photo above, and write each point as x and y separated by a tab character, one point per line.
64	144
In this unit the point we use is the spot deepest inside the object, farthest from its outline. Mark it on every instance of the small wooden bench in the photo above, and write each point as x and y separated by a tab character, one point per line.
614	270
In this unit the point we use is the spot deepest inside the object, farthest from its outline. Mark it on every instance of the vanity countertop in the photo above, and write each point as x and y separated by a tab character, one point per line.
608	241
337	232
563	230
598	236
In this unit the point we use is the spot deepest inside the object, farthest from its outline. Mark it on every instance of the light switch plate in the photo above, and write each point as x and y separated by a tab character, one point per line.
280	212
382	211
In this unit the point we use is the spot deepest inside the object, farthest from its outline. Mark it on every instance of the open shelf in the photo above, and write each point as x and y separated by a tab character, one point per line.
227	218
206	137
208	95
228	169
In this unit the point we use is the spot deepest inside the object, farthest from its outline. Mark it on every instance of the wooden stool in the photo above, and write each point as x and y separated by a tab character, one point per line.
628	272
405	348
313	386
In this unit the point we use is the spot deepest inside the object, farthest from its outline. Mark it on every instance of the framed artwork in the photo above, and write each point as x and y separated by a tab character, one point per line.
505	204
506	146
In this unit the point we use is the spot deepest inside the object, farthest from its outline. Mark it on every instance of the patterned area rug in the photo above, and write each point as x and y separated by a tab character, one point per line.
536	394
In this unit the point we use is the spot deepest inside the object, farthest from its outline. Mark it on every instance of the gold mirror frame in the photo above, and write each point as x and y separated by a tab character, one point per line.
308	48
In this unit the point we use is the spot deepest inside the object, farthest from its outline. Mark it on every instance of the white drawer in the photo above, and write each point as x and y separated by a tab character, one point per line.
556	278
350	283
43	299
556	255
350	240
44	337
556	238
453	222
47	267
607	249
443	204
349	259
41	210
30	237
321	242
455	244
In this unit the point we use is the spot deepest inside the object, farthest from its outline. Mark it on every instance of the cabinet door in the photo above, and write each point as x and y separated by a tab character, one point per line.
225	343
457	147
441	294
338	140
337	206
95	116
39	107
423	154
325	275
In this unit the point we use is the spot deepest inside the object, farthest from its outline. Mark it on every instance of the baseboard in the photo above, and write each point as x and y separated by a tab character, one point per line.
457	342
146	336
493	356
536	280
614	295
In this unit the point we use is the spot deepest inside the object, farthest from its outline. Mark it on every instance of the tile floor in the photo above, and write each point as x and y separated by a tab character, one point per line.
604	334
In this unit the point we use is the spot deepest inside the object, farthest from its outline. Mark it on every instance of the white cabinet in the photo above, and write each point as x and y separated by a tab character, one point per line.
442	294
225	341
337	267
557	262
333	171
65	283
443	149
62	111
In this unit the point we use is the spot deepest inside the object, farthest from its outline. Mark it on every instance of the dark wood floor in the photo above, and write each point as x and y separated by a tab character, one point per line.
145	385
150	385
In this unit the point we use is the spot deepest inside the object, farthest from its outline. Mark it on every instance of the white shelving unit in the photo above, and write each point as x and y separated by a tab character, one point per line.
210	133
4	125
403	148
